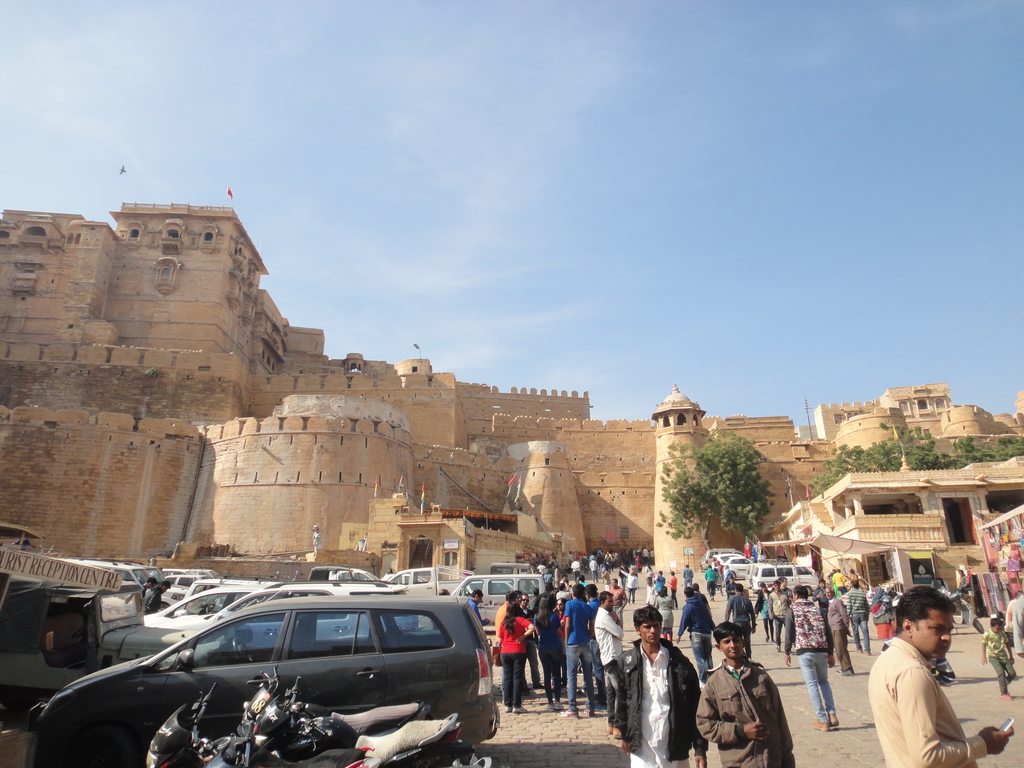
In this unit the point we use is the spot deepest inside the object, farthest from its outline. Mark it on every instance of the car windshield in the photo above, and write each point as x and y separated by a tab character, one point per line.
122	605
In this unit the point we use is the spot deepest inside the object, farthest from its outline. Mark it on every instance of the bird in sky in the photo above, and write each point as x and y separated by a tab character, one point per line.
122	170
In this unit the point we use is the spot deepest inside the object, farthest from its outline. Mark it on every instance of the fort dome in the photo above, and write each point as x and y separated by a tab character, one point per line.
675	396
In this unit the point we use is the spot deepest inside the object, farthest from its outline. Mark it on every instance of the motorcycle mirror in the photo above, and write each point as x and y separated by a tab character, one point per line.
186	660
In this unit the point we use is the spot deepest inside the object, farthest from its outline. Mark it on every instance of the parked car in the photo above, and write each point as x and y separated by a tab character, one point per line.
195	620
202	585
767	573
352	653
181	579
495	587
439	580
712	553
340	573
739	564
202	604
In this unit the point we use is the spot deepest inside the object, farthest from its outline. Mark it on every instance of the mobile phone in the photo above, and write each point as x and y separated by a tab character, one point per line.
1006	726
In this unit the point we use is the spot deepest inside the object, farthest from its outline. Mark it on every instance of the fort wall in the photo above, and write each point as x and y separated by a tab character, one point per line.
103	485
273	479
482	402
430	401
158	383
970	420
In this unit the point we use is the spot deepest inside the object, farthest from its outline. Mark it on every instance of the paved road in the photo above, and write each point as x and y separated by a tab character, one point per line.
542	739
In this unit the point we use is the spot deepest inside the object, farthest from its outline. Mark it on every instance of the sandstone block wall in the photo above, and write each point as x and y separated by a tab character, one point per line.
431	403
175	384
482	402
98	486
272	480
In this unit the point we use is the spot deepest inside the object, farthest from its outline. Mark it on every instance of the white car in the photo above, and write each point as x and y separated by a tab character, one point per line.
739	564
202	585
203	604
193	622
711	554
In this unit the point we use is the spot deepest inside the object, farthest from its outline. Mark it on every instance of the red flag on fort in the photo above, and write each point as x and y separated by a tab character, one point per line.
376	483
231	195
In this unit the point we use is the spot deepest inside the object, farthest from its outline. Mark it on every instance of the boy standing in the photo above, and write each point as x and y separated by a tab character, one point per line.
741	710
657	711
995	645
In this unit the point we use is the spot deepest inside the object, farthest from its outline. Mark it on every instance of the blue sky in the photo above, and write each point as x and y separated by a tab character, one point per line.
761	202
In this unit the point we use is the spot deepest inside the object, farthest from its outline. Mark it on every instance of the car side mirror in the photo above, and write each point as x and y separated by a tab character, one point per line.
186	660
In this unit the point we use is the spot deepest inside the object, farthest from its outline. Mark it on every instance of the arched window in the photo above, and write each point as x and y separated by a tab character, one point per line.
208	237
166	275
134	234
36	231
680	419
667	421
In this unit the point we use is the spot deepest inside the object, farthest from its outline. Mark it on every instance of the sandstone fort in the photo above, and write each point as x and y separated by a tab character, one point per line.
155	399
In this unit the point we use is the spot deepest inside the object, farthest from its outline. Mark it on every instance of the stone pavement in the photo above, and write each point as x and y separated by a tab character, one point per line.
542	739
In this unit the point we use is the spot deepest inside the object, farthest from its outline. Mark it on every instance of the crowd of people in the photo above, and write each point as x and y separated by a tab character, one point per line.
662	704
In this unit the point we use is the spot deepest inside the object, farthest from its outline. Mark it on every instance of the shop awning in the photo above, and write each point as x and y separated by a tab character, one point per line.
846	546
787	543
1005	516
8	530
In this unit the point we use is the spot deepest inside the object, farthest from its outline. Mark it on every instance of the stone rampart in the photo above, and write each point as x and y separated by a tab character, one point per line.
160	383
270	480
482	402
104	485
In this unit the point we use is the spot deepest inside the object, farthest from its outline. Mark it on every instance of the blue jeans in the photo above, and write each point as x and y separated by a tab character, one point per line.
860	622
551	659
701	647
814	666
580	653
513	678
780	631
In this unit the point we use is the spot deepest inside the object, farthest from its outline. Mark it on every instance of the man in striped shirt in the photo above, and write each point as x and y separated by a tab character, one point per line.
857	607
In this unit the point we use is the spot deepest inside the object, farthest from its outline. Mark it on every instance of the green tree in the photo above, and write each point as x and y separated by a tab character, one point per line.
720	480
919	449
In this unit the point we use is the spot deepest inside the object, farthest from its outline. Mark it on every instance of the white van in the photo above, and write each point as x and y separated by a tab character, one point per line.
767	573
495	587
439	580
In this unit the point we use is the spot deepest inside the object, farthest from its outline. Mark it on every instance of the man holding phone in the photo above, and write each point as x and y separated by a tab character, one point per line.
915	722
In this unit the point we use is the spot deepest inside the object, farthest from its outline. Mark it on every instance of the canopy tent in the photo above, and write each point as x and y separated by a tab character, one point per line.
846	546
7	530
1005	516
787	543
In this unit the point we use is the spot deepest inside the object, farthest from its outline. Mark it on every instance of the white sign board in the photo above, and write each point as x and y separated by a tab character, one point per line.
51	569
672	565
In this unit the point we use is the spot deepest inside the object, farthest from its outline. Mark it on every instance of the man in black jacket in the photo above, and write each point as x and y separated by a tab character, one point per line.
658	711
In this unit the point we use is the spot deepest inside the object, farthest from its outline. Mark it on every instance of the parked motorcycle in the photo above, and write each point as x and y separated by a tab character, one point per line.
963	603
278	731
177	744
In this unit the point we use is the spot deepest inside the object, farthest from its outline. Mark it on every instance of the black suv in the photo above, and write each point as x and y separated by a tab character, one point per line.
353	653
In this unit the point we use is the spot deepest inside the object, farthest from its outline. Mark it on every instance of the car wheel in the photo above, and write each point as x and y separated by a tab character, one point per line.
104	746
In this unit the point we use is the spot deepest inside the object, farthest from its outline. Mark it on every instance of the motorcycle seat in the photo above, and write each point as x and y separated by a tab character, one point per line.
366	722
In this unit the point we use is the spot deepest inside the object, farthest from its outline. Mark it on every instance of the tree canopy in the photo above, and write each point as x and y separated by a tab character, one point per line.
718	481
887	456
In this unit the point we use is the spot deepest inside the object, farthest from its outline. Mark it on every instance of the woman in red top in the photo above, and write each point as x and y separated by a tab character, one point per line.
513	633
